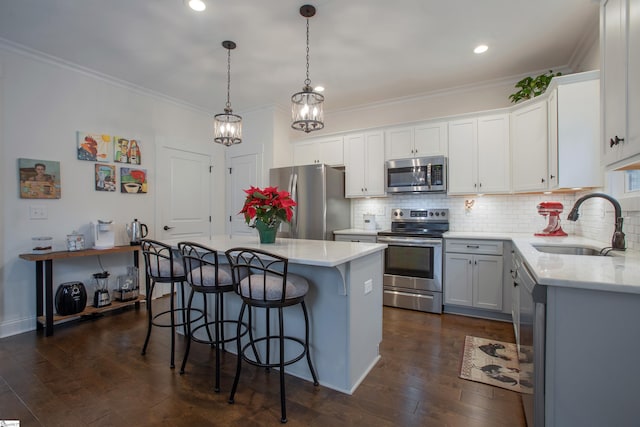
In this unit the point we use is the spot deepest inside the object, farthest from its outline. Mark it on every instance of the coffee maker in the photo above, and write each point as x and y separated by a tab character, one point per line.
104	236
553	211
101	296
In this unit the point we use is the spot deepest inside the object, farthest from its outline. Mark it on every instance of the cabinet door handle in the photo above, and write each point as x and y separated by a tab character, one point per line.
542	180
615	141
473	246
552	176
166	228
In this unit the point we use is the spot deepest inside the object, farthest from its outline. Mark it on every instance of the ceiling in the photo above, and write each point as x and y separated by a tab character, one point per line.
362	51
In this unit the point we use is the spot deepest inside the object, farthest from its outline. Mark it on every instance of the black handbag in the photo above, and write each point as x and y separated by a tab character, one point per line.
71	298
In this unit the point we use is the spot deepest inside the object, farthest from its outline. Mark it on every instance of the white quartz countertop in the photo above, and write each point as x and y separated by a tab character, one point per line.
322	253
619	272
357	231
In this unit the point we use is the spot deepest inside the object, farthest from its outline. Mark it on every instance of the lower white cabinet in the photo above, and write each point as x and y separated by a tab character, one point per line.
473	274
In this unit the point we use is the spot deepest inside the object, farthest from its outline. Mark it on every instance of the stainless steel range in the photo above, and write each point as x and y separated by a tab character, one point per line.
413	259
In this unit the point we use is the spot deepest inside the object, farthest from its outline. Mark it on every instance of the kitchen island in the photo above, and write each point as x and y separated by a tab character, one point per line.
344	303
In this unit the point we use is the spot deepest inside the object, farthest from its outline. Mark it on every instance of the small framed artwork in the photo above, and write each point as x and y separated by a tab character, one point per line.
133	180
94	147
127	151
105	177
39	179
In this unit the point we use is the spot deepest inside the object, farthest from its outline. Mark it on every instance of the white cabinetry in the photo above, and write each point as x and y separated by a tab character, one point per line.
620	59
473	273
529	141
428	139
328	150
365	238
364	161
479	155
574	133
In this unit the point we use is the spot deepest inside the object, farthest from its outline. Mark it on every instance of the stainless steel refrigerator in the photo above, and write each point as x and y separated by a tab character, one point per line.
319	192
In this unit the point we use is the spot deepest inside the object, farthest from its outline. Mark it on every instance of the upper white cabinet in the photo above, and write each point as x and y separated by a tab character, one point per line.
364	161
574	132
529	141
428	139
328	150
620	59
479	155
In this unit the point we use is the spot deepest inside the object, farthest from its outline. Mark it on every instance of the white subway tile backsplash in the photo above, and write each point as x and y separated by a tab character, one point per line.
504	213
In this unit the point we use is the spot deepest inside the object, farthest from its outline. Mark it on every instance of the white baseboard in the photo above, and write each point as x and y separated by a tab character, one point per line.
15	327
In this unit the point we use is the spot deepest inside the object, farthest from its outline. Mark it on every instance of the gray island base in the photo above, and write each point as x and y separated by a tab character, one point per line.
344	303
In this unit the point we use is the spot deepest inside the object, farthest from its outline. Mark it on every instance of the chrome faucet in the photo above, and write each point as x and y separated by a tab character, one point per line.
617	241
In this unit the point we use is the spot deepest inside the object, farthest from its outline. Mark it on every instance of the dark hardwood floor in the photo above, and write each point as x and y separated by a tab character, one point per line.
91	373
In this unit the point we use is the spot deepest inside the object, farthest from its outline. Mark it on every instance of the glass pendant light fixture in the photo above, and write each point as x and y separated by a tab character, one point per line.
307	106
228	126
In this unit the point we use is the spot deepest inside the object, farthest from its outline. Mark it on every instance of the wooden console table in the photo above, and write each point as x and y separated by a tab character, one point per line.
44	284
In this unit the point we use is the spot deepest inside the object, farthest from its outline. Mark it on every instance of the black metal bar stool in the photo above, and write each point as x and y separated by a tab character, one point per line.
262	281
206	276
163	266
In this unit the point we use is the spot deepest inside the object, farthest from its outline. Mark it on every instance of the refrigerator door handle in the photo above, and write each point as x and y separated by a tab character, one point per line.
294	196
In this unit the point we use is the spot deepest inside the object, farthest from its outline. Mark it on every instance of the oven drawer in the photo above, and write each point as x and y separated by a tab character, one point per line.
421	301
487	247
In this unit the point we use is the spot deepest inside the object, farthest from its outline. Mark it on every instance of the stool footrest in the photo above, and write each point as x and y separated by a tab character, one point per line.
212	324
248	348
161	319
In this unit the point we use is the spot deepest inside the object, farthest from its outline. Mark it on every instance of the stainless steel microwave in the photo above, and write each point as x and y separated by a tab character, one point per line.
416	175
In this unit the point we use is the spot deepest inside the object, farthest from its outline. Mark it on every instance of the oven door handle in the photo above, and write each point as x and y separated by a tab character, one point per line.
409	241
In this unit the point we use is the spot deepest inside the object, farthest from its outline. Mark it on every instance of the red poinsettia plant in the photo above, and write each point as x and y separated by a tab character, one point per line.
267	205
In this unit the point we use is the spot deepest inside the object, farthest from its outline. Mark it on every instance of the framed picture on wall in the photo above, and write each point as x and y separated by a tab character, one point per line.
39	179
94	147
127	151
105	177
133	180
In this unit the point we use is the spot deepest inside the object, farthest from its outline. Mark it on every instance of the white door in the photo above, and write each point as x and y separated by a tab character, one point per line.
243	173
184	194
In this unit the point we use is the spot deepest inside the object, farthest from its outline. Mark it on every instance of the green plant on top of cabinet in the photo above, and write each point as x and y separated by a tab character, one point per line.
428	139
473	273
328	150
529	151
364	164
620	60
479	155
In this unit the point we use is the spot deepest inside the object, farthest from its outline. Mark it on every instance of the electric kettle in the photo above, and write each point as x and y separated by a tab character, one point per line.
136	231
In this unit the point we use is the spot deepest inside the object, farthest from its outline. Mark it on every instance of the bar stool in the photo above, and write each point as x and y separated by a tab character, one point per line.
206	276
163	267
262	281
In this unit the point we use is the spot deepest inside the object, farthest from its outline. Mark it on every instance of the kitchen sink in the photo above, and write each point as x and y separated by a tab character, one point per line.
570	250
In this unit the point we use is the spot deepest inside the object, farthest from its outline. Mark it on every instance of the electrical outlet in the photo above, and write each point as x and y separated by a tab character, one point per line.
37	212
368	286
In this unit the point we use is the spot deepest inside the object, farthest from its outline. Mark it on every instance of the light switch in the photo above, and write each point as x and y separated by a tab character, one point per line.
37	212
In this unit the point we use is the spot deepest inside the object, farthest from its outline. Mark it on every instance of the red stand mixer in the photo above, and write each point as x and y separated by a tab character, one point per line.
553	211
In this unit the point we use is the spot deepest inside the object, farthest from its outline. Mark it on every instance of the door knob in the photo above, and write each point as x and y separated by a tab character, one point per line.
167	228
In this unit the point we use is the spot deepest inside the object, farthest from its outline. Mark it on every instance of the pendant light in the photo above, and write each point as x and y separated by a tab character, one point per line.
228	126
307	106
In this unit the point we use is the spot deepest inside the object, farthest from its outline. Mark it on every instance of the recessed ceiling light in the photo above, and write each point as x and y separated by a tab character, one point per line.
481	48
197	5
319	88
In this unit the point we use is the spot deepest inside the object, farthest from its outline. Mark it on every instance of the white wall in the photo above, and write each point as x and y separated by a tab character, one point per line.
42	105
